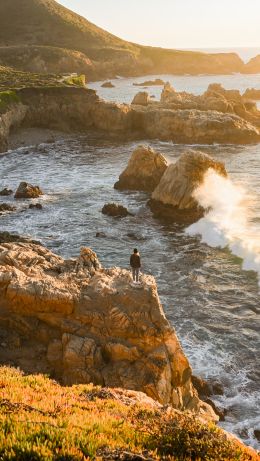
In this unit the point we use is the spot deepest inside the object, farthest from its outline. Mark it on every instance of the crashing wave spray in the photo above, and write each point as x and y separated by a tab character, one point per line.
226	224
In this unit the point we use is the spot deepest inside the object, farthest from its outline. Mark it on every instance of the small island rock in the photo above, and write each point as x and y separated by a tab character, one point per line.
26	190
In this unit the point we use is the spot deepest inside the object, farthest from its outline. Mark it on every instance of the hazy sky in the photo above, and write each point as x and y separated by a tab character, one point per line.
176	23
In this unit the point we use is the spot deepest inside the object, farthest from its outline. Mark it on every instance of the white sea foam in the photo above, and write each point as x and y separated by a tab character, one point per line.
227	223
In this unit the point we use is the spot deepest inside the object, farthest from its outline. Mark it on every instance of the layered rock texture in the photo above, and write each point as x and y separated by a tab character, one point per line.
173	196
144	170
217	116
82	324
26	190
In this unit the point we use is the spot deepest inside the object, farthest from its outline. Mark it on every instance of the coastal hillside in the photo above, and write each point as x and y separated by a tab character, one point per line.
43	36
45	421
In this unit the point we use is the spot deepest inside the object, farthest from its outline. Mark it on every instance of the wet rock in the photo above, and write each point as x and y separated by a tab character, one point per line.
100	235
115	210
203	387
5	207
156	82
173	197
37	206
134	236
108	85
6	237
141	99
5	192
219	411
144	170
257	434
26	190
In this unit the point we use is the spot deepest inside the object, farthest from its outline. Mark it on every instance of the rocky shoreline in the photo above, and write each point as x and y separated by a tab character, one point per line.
180	118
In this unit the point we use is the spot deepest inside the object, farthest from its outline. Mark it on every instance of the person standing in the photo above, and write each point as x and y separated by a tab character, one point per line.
135	263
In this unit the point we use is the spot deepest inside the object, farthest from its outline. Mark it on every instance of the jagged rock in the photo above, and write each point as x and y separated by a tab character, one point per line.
169	94
173	196
141	99
37	206
5	192
100	234
6	207
92	326
26	190
252	93
115	210
108	85
156	82
144	170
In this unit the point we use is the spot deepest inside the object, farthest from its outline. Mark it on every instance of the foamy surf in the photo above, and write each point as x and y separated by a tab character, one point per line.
227	223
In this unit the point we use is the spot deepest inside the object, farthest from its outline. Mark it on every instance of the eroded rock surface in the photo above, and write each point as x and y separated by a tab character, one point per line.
174	194
141	99
144	170
26	190
87	324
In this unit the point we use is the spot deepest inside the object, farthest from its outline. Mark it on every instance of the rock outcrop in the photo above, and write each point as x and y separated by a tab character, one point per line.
26	190
108	85
5	207
173	197
91	325
144	170
252	93
5	192
141	99
155	82
115	210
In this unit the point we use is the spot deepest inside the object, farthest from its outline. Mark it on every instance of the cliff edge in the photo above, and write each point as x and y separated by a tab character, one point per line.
82	323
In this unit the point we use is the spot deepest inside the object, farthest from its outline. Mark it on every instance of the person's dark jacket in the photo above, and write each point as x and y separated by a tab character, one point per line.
135	261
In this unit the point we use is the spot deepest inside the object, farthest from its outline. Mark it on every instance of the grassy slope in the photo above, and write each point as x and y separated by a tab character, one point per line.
46	23
39	420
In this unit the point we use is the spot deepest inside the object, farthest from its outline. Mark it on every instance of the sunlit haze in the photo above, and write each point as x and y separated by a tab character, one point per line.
176	23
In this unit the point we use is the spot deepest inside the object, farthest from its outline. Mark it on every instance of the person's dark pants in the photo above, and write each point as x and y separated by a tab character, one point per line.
135	272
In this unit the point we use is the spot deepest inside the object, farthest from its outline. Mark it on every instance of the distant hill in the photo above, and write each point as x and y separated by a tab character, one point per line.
43	36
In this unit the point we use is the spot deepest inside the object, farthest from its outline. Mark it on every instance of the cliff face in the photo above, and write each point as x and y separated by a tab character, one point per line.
79	109
82	324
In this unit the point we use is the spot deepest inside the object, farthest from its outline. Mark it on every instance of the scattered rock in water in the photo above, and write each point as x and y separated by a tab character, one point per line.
5	192
144	170
173	197
219	411
257	434
5	207
108	85
134	236
26	190
37	206
206	389
6	237
100	235
115	210
141	99
156	82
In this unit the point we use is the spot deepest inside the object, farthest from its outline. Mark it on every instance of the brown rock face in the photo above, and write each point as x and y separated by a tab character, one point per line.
252	93
115	210
144	170
175	190
26	190
89	325
141	99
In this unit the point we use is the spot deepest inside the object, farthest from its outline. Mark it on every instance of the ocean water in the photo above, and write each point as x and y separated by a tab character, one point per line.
209	295
124	89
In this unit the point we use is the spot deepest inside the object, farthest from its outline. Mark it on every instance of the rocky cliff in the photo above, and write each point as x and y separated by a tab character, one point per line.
83	324
80	109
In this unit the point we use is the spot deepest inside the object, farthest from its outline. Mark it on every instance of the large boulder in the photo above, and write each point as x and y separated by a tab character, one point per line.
173	196
92	325
144	170
141	99
115	210
26	190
